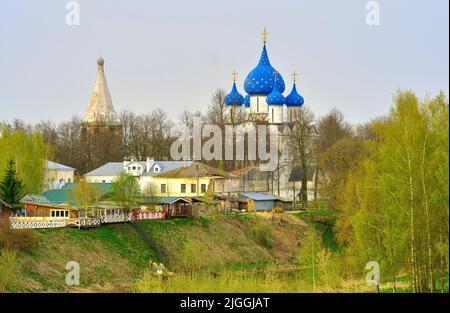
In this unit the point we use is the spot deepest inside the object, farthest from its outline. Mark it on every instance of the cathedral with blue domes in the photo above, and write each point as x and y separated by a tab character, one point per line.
268	101
264	87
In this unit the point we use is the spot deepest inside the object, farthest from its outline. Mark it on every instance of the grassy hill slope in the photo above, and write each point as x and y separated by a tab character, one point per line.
112	257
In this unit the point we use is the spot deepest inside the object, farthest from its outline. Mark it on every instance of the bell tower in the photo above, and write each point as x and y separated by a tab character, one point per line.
101	131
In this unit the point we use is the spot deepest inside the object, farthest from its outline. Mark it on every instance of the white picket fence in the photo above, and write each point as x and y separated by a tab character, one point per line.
35	222
146	215
50	222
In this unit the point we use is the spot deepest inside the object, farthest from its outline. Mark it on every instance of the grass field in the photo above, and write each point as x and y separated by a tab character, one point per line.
109	255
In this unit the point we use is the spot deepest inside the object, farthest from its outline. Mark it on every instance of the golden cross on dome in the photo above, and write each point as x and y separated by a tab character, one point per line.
234	75
294	76
264	34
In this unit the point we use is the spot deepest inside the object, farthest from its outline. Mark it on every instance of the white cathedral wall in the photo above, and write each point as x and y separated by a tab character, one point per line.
258	104
275	114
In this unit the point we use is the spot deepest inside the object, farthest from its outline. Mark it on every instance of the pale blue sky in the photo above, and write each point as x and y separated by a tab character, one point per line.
174	54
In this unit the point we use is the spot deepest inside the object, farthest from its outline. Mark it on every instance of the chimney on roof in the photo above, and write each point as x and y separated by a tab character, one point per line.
150	162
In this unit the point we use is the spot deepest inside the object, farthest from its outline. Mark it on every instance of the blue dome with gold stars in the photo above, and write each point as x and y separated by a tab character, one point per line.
234	97
294	98
275	97
247	100
261	79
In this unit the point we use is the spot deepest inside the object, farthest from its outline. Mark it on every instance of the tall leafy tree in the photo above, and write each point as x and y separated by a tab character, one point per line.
29	152
394	205
126	191
85	195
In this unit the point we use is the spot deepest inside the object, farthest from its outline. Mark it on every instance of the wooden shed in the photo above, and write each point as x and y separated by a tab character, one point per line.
5	209
258	201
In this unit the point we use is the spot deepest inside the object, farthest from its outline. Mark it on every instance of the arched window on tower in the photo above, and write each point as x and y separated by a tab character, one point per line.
273	116
257	104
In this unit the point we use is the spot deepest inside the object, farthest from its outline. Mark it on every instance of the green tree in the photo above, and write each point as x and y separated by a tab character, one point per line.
126	191
11	188
85	195
336	162
29	151
330	128
394	204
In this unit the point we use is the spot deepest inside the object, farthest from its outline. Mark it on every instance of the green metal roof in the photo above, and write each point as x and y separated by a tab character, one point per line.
64	196
59	196
58	200
101	188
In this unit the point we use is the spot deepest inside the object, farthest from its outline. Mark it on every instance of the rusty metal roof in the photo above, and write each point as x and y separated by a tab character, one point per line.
196	170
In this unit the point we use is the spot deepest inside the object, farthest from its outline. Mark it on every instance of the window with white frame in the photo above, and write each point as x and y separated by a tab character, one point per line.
59	213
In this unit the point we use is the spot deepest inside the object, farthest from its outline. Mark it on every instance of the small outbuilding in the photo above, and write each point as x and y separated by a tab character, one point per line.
5	209
174	206
258	201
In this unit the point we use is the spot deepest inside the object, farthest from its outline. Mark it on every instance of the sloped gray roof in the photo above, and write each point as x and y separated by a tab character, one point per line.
258	196
58	167
194	170
116	168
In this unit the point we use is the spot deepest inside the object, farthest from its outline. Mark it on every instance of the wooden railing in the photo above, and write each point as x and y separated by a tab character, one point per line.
83	222
36	222
148	215
116	218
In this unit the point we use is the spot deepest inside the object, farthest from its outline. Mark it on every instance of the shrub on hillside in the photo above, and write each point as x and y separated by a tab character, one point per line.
277	210
263	233
21	239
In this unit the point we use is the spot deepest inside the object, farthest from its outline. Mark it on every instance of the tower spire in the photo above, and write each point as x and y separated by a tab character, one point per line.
100	108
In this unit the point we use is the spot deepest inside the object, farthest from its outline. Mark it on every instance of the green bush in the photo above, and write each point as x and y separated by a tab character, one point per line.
262	233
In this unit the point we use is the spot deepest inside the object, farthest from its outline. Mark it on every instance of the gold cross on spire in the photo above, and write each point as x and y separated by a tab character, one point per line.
294	76
234	75
264	34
